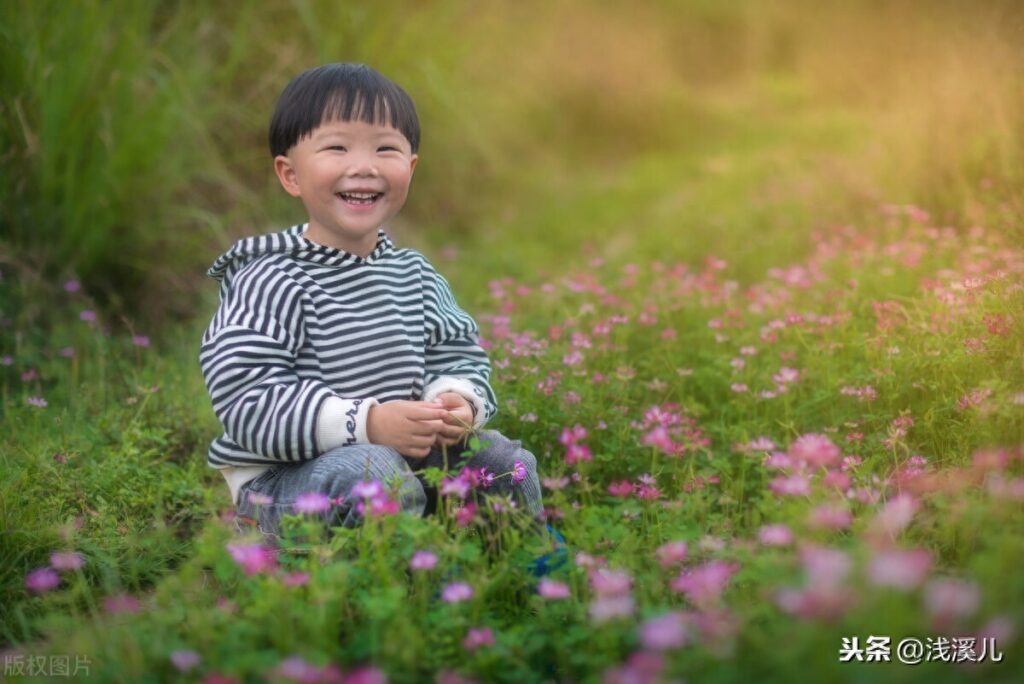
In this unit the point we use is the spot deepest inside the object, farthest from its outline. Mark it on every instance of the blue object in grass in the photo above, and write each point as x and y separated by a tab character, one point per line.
539	567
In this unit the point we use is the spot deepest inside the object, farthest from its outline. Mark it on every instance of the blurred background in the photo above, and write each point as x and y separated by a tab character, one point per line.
133	132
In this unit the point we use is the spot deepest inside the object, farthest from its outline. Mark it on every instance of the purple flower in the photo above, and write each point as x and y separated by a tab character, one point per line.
69	560
184	660
6	360
67	352
518	472
423	560
72	286
41	580
457	592
38	402
87	315
30	375
312	502
140	341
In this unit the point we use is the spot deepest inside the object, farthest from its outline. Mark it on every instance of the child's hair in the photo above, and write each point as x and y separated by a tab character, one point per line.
343	92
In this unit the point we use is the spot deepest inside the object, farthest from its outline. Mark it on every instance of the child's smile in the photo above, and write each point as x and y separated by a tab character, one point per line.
352	177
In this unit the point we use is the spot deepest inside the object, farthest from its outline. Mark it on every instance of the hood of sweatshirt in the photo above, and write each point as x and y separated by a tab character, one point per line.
291	241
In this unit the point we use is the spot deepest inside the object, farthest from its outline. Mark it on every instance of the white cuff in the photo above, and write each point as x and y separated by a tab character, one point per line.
342	422
463	388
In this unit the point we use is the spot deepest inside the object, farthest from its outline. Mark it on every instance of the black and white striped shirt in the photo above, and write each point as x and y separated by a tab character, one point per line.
308	337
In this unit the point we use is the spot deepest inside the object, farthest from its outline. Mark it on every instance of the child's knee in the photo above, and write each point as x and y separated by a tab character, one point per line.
346	467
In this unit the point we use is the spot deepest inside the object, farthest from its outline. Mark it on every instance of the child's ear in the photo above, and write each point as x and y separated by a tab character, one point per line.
412	163
286	174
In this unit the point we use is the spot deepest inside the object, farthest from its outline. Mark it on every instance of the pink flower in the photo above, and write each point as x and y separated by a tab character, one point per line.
894	517
792	485
815	450
312	502
608	607
122	603
948	599
830	518
824	566
296	579
775	535
464	515
253	558
184	660
453	677
457	486
659	438
367	674
671	553
41	580
665	632
703	584
554	484
837	479
423	560
572	435
477	637
140	341
38	402
552	590
738	387
576	453
72	286
66	560
899	569
367	490
621	488
607	582
259	499
87	315
761	444
456	592
786	376
518	472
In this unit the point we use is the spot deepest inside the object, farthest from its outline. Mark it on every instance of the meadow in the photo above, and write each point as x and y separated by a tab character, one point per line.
750	276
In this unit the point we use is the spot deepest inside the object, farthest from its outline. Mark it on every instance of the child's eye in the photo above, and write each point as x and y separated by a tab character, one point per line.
390	148
336	147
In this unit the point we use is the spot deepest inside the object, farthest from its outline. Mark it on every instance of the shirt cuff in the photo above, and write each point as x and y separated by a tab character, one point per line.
343	422
463	388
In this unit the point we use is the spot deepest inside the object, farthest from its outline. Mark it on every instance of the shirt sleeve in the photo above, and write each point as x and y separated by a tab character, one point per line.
248	358
455	362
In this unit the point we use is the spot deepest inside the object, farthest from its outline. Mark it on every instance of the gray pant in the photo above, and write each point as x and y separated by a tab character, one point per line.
335	473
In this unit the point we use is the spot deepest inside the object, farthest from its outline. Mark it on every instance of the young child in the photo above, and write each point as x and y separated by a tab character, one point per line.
336	358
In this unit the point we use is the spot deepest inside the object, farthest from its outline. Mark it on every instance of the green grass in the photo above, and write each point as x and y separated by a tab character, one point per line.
750	154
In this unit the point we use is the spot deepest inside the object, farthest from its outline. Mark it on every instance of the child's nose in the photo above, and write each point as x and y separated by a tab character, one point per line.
362	165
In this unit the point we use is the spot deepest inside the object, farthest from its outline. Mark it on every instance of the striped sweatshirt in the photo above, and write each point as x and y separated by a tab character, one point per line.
307	338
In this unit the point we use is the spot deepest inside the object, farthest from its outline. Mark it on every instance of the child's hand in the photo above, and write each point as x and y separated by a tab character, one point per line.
458	418
409	427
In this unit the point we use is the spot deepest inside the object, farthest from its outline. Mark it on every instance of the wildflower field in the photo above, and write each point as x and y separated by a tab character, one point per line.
751	280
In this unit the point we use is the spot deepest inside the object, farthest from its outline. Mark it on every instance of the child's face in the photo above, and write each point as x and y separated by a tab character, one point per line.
342	157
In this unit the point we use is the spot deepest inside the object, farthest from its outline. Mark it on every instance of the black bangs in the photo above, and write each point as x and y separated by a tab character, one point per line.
344	92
